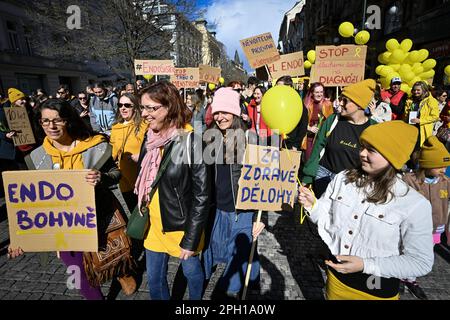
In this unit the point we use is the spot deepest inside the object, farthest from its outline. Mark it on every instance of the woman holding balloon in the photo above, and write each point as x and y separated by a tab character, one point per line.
337	143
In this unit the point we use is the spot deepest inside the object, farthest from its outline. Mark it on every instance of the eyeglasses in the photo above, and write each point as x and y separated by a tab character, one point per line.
57	122
60	92
82	98
126	105
151	109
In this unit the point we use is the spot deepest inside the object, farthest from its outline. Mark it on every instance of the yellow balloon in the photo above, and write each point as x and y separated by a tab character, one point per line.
413	81
417	69
311	56
384	83
379	69
414	56
148	76
407	76
307	64
221	80
404	87
211	86
362	37
423	54
282	108
398	56
392	44
395	66
429	64
346	29
387	70
427	74
447	70
406	45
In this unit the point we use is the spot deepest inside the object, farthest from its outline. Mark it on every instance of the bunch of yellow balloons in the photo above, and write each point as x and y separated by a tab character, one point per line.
400	61
311	55
346	30
447	73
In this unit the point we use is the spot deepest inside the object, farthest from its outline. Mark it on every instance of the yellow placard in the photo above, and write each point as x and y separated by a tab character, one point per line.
154	67
288	65
260	50
268	179
339	65
17	118
51	210
209	74
186	78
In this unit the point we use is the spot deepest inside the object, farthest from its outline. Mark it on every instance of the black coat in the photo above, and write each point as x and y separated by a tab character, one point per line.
183	190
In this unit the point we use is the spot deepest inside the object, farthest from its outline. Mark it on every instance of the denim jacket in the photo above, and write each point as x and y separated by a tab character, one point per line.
394	239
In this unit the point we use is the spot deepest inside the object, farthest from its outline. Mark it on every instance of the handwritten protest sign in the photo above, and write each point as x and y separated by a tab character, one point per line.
288	65
154	67
17	118
268	178
186	78
51	210
260	50
339	65
209	74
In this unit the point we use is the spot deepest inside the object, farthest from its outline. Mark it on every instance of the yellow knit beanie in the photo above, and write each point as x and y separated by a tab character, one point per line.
433	154
15	94
361	93
395	140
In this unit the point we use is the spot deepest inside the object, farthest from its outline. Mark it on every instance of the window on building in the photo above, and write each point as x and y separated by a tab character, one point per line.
393	17
12	36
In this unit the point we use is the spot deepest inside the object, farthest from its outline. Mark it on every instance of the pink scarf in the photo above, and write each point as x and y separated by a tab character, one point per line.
151	162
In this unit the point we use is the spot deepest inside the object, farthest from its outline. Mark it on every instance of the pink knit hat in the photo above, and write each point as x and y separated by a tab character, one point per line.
226	100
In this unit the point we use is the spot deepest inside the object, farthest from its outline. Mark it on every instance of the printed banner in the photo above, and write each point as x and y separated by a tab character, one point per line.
17	118
288	65
154	67
268	178
209	74
51	210
339	65
260	50
186	78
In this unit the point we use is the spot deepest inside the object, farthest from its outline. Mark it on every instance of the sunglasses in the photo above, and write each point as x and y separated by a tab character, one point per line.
82	98
60	92
126	105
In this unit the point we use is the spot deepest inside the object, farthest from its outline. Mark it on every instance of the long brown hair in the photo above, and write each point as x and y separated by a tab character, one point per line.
380	185
137	119
167	94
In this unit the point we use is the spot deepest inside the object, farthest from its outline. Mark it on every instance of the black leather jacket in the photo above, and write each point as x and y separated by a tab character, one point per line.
183	190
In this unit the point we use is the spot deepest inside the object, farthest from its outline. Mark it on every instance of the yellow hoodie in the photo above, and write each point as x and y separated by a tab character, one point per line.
72	159
125	143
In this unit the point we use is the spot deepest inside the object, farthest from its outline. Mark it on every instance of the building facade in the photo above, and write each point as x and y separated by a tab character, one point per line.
211	50
21	68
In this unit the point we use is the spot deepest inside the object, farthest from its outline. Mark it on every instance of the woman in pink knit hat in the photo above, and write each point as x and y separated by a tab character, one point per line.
233	230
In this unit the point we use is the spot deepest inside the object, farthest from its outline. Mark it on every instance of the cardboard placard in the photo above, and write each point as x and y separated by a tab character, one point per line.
209	74
186	78
17	118
260	50
154	67
268	178
288	65
51	210
339	65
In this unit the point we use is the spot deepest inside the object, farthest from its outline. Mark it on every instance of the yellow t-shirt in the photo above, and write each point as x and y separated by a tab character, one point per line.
165	242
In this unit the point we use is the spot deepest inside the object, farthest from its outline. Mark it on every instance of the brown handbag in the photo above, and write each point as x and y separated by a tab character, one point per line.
115	258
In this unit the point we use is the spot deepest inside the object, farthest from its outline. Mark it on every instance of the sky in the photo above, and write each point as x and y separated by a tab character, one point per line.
239	19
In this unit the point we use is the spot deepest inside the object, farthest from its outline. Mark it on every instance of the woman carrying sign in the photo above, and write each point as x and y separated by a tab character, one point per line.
233	230
69	145
379	228
173	186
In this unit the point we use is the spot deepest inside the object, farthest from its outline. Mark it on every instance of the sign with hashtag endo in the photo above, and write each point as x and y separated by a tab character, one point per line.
260	50
209	74
339	65
288	65
186	78
154	67
51	210
268	178
17	118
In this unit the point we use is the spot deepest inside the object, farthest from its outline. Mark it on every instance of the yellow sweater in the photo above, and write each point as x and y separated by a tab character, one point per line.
73	159
125	143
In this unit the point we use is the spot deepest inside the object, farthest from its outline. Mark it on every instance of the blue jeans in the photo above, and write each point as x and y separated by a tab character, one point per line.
157	263
230	243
